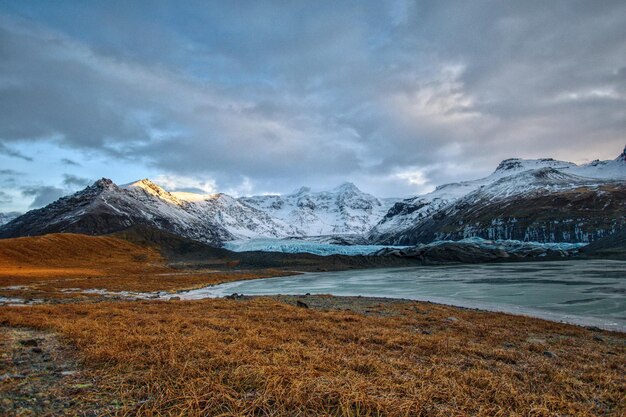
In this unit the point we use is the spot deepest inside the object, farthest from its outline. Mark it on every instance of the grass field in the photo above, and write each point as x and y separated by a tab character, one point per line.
266	357
46	267
269	357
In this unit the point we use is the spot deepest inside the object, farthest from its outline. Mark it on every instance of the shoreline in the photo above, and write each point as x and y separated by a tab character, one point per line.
391	300
572	318
338	300
95	294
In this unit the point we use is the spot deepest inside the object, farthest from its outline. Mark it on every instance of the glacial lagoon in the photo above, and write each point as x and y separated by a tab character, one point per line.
582	292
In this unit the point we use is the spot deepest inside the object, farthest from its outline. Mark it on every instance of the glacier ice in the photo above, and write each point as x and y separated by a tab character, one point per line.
325	249
301	246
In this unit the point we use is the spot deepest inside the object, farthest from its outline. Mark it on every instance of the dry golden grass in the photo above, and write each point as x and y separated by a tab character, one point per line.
73	250
72	255
48	288
46	265
262	357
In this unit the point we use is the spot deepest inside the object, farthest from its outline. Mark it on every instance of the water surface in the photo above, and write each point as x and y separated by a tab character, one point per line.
580	292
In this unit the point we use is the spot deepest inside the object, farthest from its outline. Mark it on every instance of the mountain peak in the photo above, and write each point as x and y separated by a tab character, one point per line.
301	190
151	188
622	157
347	186
145	184
103	183
513	165
509	164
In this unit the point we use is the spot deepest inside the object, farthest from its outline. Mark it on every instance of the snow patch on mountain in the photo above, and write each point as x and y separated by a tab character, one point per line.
193	197
241	220
7	217
343	210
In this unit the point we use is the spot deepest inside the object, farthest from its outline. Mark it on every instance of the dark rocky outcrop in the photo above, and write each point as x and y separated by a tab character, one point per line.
609	247
469	252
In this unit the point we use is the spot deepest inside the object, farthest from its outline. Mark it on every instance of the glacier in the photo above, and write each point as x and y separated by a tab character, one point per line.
302	246
326	249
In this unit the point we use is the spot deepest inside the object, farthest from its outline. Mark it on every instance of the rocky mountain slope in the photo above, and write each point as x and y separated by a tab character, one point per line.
105	208
612	247
538	200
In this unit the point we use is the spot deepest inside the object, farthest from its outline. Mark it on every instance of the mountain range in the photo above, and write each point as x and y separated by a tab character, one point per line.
105	207
541	200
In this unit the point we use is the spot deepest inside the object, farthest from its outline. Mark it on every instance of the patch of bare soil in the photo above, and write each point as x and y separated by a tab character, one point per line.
39	376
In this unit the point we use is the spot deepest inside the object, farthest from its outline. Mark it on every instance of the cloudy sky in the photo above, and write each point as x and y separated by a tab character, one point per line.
260	96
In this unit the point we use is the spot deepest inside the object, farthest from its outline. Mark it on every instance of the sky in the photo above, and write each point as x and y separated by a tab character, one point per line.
254	97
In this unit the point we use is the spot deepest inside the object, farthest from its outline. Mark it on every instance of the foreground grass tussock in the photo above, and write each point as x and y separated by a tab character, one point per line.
262	357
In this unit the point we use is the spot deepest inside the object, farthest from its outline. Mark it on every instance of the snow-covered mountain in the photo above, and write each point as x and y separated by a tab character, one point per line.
341	211
7	217
105	207
542	199
241	220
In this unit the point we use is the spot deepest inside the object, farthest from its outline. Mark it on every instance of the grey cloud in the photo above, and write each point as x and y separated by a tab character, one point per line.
333	92
9	178
69	162
8	172
43	195
73	181
5	198
5	150
39	106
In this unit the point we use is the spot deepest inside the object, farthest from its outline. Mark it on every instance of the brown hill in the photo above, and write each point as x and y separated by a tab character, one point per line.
74	254
61	266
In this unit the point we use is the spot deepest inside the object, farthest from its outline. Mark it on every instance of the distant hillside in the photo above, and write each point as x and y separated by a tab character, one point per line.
531	200
76	254
7	217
